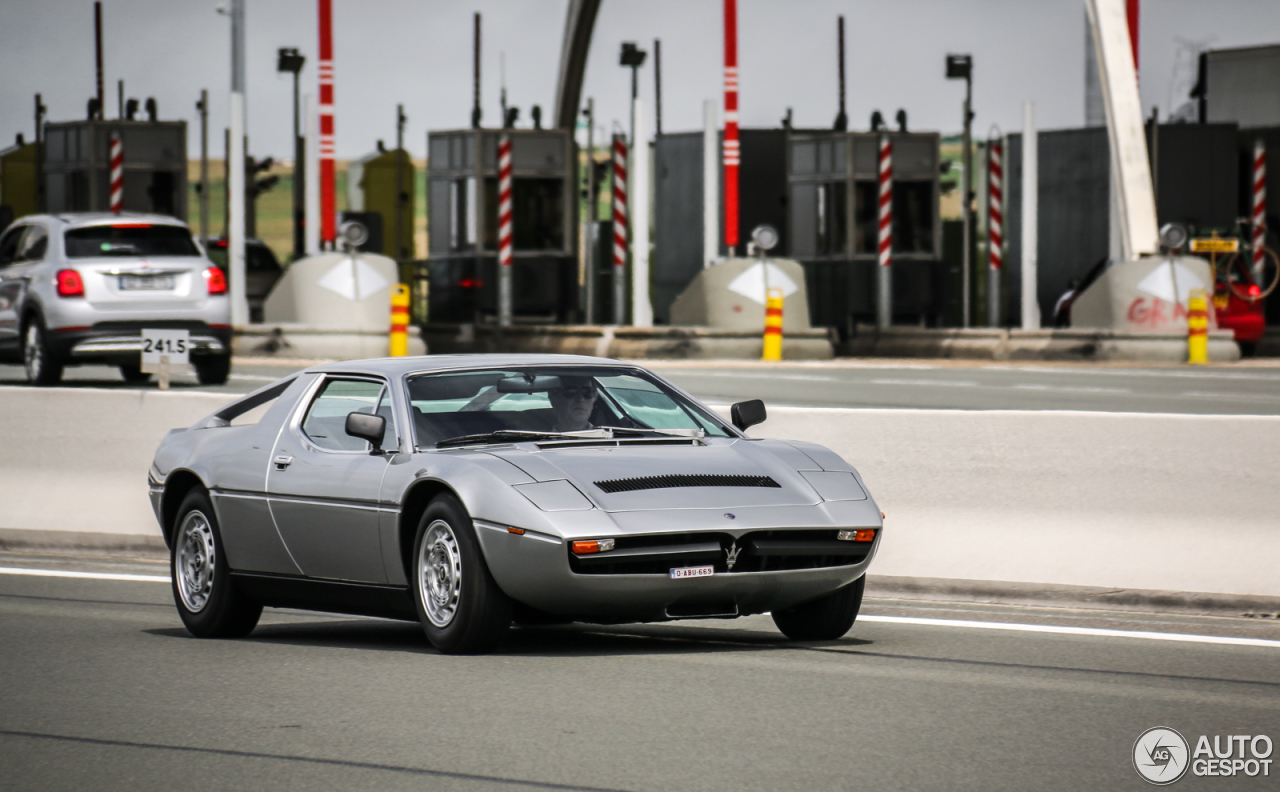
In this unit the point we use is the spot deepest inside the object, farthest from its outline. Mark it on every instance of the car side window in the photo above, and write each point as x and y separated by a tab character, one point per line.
34	244
9	245
326	420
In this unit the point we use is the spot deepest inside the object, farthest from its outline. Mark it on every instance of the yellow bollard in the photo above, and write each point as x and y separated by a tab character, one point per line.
772	325
399	320
1197	327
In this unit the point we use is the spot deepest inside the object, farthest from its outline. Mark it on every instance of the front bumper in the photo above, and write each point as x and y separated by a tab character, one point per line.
536	569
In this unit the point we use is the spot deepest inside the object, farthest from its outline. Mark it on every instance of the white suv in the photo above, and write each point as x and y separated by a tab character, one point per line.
79	288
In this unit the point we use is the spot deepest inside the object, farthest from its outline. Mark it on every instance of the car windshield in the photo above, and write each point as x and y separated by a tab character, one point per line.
509	404
130	239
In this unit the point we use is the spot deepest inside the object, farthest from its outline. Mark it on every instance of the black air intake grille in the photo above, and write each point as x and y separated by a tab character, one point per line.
685	480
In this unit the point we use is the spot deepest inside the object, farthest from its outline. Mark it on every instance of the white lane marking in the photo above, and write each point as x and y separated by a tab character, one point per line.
255	377
1210	395
1070	389
122	390
1104	414
980	625
1090	631
955	383
62	573
771	376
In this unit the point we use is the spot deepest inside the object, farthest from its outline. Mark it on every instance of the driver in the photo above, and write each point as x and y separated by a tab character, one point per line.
572	403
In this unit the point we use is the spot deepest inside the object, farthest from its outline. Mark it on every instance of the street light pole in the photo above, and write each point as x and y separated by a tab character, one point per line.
290	60
961	67
633	57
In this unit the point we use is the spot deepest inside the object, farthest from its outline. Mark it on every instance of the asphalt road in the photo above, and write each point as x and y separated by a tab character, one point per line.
100	688
1251	389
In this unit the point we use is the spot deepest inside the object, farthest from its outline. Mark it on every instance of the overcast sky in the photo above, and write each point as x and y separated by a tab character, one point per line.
417	52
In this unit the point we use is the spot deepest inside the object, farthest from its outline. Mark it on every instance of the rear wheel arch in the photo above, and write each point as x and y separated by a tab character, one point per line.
176	486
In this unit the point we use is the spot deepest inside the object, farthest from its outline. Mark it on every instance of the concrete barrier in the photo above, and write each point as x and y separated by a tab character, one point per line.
1120	501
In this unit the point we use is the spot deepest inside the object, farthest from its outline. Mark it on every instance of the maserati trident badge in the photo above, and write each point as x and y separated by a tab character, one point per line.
731	554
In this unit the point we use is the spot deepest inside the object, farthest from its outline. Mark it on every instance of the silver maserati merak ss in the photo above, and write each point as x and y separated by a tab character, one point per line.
469	492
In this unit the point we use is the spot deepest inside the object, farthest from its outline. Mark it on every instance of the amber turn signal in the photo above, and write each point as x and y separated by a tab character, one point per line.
592	546
859	535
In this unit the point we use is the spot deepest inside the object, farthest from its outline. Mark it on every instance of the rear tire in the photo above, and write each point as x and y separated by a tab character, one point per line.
461	608
208	601
132	372
42	365
824	619
213	369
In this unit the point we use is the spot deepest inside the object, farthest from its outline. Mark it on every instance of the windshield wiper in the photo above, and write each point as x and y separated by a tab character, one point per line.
630	432
518	435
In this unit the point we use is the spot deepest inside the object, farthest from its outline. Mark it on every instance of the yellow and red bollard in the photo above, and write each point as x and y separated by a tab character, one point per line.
1197	327
399	320
772	325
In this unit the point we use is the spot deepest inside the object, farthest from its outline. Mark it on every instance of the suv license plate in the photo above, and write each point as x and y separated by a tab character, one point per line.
146	282
698	571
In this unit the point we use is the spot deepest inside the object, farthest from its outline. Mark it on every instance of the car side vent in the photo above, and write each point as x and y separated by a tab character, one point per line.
685	480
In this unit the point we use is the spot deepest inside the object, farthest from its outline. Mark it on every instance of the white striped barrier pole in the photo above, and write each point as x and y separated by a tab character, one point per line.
995	229
1259	214
117	174
619	229
504	231
884	275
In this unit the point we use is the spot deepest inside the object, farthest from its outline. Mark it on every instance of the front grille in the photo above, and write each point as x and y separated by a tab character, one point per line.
758	551
685	480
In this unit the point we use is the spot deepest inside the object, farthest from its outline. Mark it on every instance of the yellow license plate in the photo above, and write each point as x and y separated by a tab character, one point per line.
1209	245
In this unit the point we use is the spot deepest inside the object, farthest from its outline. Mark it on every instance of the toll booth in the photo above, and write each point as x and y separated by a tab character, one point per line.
1199	172
833	199
462	201
818	188
77	166
19	169
371	193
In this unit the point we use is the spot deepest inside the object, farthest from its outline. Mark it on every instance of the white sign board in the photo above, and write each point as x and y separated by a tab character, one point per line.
158	343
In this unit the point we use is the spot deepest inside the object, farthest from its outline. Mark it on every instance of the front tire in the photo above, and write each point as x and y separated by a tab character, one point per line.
207	599
42	365
461	608
213	369
824	619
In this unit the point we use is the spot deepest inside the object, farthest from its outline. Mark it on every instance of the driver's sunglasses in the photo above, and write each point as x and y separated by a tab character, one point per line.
584	392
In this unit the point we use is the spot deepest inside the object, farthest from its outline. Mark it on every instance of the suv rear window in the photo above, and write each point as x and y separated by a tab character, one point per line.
134	239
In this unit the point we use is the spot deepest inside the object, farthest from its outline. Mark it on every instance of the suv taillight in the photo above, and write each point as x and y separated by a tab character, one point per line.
70	284
216	281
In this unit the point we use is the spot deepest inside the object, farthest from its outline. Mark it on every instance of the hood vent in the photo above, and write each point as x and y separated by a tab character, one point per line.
685	480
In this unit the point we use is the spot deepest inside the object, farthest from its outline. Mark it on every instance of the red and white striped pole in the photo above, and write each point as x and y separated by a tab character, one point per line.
328	202
504	230
117	174
995	228
619	229
884	275
1258	217
731	148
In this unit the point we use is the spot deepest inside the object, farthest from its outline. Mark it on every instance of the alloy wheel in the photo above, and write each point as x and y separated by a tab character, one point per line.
195	561
440	573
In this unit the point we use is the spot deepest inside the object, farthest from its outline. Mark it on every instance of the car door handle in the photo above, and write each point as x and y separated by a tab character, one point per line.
283	461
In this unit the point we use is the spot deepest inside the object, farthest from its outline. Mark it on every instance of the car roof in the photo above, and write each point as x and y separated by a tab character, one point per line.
84	219
397	366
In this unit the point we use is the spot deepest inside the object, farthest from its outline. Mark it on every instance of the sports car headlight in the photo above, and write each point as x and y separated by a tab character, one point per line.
555	496
834	485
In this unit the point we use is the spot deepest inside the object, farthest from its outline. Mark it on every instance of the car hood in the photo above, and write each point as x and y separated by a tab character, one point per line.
606	474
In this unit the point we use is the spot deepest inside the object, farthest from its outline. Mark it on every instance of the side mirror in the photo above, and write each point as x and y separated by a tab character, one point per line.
367	427
748	413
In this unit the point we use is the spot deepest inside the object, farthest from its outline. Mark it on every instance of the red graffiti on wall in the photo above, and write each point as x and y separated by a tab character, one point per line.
1155	313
